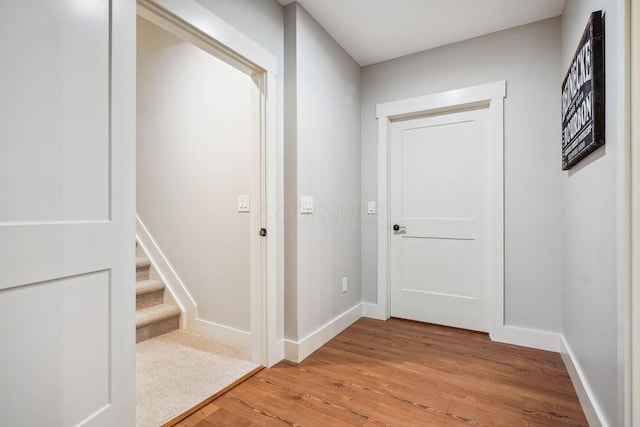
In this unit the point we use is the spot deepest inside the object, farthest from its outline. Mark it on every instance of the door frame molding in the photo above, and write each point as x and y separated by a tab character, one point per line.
491	95
630	369
202	28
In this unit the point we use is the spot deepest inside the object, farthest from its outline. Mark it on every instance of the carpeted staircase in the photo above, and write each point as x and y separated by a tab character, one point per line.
153	316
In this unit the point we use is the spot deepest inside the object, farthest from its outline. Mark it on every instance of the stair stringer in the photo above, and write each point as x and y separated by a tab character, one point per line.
183	298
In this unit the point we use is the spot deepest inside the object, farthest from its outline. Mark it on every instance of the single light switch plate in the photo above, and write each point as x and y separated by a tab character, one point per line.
306	204
371	208
345	285
243	203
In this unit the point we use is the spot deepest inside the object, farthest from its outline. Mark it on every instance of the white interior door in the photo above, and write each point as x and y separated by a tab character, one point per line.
440	201
67	124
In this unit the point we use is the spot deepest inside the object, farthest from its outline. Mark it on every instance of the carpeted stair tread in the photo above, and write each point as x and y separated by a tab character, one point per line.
156	313
148	286
142	262
153	316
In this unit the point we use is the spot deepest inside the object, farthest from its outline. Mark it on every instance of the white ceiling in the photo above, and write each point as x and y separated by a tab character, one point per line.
378	30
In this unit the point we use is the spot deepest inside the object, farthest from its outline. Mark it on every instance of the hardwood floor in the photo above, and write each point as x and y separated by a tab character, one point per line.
404	373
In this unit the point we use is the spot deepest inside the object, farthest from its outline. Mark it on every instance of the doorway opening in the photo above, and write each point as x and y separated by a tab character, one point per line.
201	212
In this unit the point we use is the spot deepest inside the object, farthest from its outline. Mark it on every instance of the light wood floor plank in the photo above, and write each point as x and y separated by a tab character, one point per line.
404	373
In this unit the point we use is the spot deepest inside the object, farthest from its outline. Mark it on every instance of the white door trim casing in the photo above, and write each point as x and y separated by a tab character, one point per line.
491	94
123	127
630	369
212	34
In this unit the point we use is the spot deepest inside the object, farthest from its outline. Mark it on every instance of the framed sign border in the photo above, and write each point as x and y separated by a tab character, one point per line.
595	30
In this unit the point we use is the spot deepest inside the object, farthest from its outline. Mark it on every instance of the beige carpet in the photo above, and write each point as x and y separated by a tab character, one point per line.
178	370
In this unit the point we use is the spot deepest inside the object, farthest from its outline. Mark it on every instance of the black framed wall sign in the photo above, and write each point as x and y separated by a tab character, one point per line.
583	96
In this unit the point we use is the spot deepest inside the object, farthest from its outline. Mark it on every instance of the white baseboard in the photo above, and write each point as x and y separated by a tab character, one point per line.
373	311
223	334
298	351
291	351
275	352
592	411
541	340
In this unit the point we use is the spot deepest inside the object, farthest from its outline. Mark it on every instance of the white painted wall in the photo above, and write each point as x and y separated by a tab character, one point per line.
323	133
262	21
196	116
590	294
527	58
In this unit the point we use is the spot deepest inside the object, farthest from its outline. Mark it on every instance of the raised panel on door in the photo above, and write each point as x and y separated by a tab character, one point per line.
66	213
57	351
54	156
440	196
